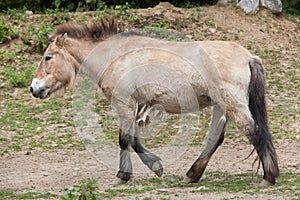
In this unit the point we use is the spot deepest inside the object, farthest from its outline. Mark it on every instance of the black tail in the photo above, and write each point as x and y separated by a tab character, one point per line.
261	139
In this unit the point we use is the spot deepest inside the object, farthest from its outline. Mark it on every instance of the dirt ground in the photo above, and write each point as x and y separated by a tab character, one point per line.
57	170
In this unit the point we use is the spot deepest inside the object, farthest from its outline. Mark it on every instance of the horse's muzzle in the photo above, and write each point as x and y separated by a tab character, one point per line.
38	94
38	89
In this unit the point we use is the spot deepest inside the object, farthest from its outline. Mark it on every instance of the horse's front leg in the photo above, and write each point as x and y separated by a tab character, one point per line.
148	158
125	165
214	140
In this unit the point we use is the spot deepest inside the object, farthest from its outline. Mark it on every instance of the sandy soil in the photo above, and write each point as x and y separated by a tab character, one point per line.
56	171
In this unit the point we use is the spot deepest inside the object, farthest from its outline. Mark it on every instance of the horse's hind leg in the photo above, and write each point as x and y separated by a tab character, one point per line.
125	165
148	158
259	136
214	140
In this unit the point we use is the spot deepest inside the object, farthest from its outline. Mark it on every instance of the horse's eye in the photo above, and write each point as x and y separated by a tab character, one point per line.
47	58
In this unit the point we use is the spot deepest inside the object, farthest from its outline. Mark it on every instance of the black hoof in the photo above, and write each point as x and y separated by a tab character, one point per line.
269	181
159	172
190	180
157	168
265	183
124	176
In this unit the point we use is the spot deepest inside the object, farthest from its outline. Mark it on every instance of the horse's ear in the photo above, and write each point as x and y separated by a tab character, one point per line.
61	39
64	35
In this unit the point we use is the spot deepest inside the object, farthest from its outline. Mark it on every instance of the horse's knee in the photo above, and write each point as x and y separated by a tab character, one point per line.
124	140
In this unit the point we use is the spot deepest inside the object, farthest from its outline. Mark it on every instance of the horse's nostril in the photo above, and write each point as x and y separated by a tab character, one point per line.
31	89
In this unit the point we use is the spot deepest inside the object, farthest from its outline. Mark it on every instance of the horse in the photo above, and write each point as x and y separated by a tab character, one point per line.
185	77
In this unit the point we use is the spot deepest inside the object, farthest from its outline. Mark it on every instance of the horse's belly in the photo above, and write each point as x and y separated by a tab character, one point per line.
176	101
177	108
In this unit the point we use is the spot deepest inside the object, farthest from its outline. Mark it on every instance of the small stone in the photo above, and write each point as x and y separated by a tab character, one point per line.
89	139
212	30
162	190
189	36
201	188
28	12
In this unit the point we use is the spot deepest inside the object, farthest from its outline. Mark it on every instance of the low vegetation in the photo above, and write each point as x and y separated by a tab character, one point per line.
172	186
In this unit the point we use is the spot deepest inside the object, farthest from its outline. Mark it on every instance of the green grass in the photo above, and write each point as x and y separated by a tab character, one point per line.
6	195
124	192
23	128
282	84
86	190
19	77
215	182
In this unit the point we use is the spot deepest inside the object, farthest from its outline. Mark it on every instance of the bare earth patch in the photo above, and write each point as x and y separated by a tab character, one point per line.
56	171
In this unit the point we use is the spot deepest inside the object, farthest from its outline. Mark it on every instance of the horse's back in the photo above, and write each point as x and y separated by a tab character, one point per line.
211	70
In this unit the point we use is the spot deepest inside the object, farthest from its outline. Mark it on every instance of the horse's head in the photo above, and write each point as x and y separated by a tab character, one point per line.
56	70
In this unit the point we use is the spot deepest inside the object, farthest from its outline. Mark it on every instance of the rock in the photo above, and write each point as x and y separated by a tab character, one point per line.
274	5
249	6
164	5
189	36
212	30
28	12
226	2
252	6
201	188
162	190
89	139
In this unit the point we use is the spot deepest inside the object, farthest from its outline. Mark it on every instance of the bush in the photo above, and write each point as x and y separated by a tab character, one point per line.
19	78
20	4
75	5
40	36
85	191
7	32
291	6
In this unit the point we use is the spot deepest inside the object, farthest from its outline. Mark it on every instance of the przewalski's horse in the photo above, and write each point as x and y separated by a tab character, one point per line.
220	74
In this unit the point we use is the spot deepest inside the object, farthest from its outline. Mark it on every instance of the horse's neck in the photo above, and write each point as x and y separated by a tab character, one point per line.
80	49
82	52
